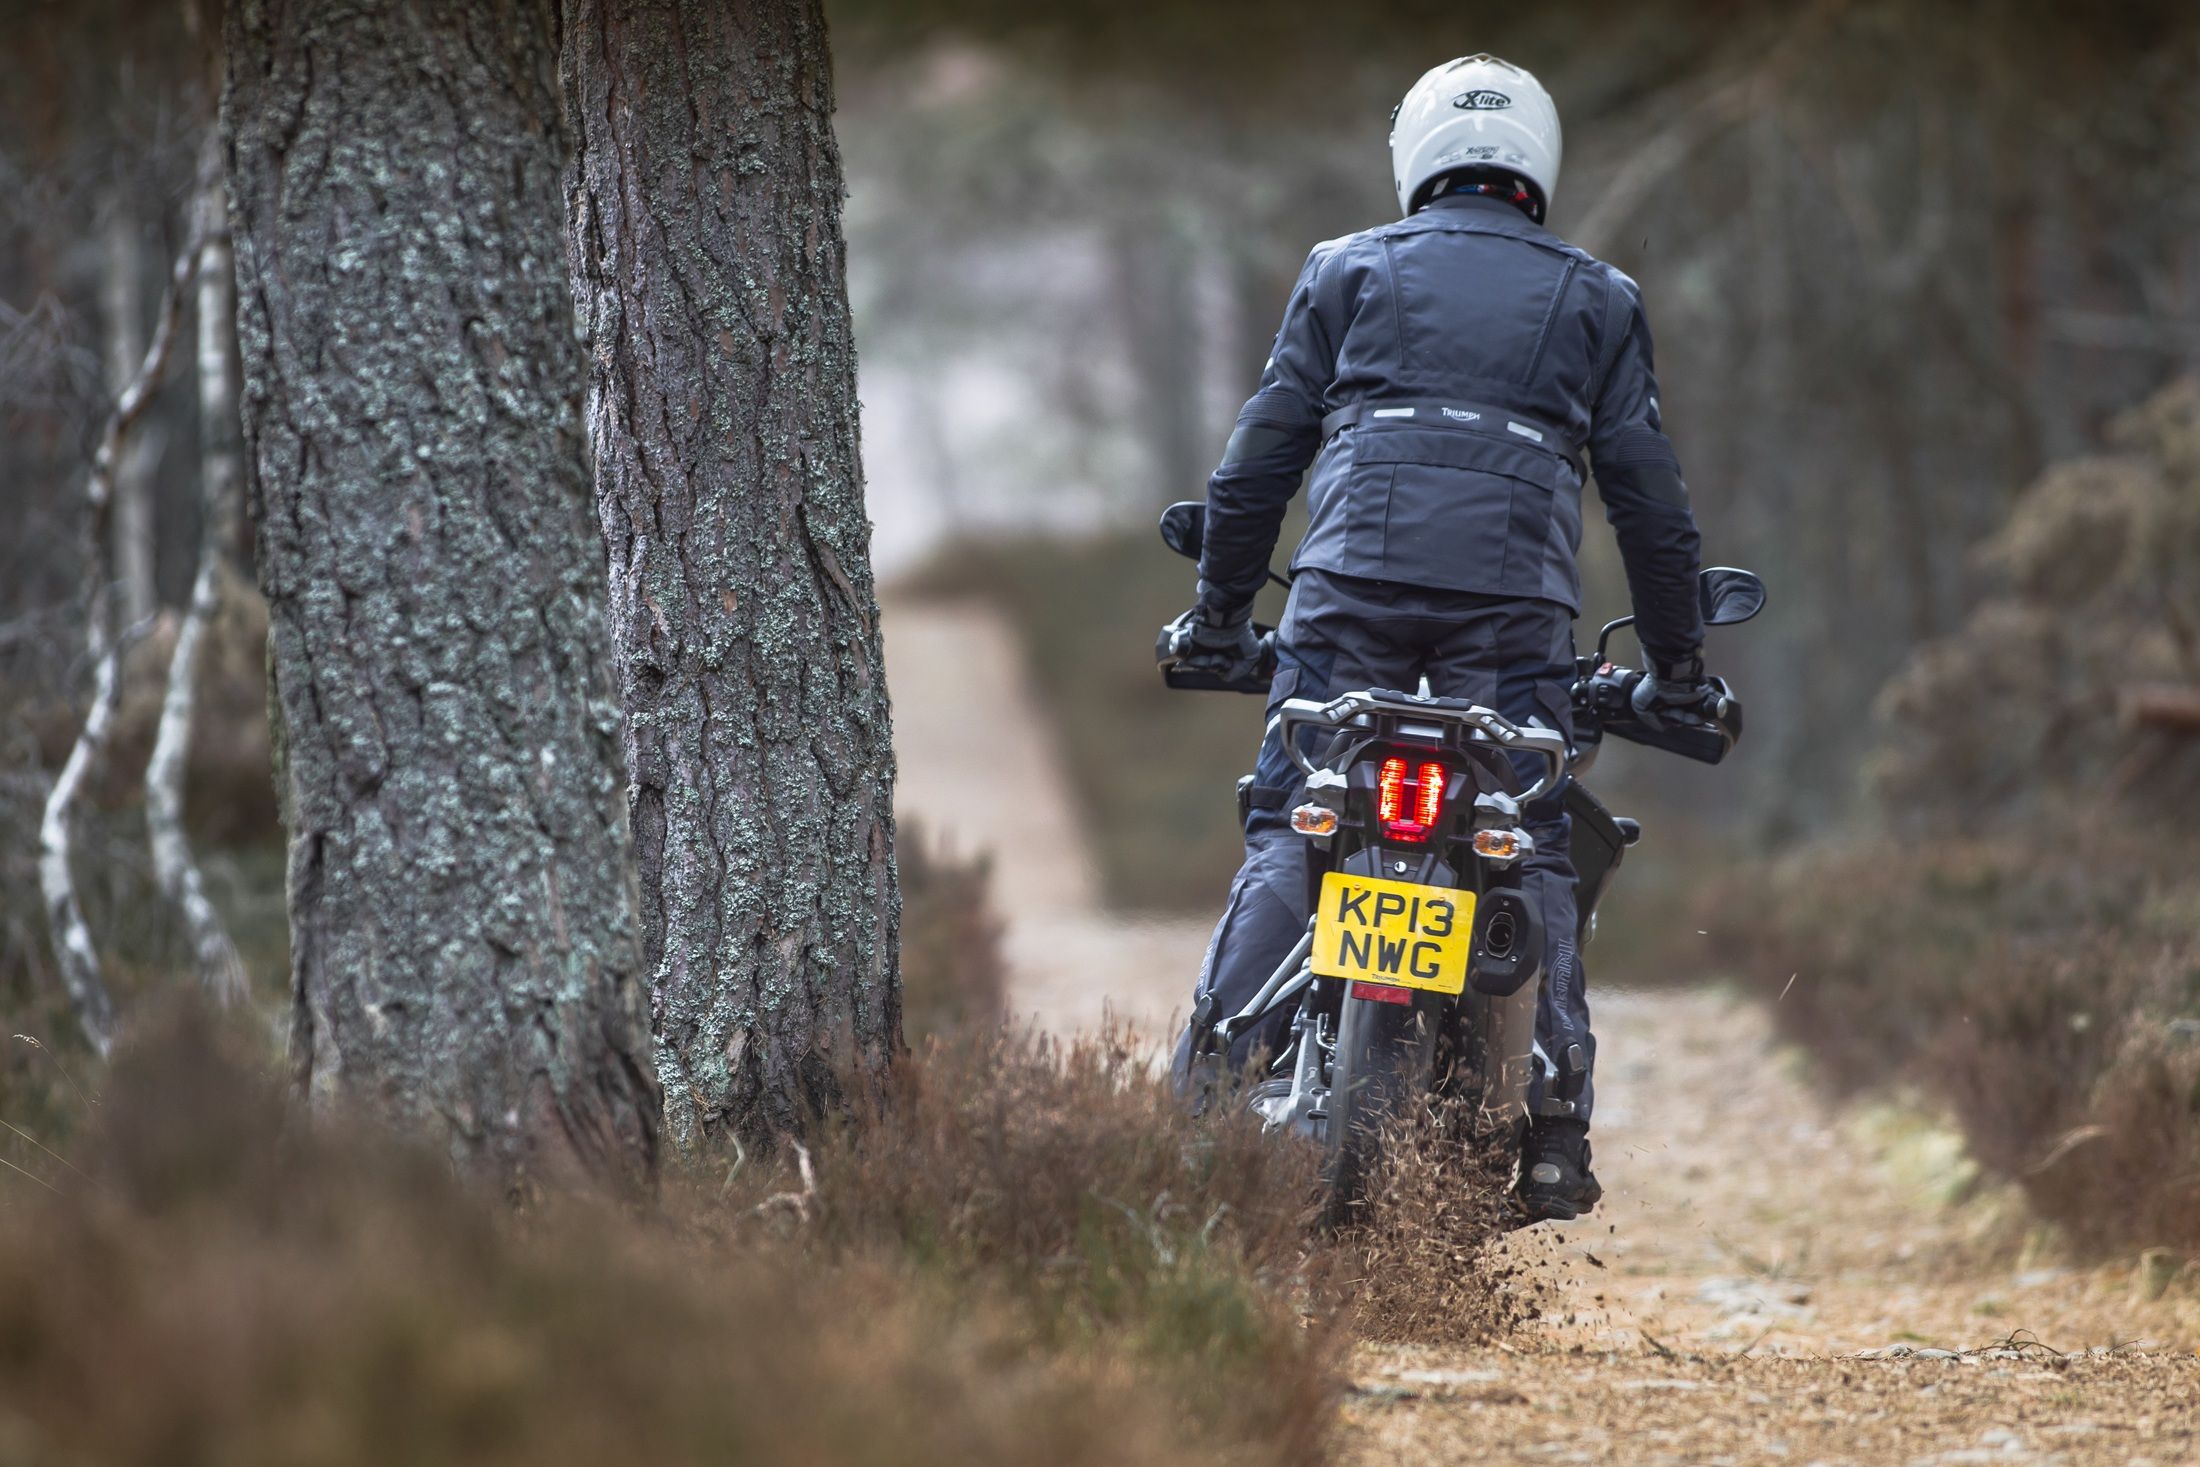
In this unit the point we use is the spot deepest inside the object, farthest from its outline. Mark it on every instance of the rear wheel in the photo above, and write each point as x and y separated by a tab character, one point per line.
1385	1057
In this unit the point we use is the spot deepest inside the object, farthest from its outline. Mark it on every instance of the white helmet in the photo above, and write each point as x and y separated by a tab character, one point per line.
1476	112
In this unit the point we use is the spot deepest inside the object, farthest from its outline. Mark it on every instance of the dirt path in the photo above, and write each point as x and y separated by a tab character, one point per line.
978	770
1753	1245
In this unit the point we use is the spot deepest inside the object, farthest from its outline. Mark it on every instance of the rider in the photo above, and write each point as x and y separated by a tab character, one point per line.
1441	375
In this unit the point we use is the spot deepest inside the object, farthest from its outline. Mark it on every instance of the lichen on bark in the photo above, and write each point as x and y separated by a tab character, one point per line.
465	946
708	269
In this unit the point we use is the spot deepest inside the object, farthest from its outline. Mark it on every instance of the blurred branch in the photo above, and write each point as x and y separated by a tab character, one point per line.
40	368
31	626
2164	706
71	936
2111	331
1717	106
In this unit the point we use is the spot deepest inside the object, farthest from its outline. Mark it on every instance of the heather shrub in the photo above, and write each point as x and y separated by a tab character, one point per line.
2019	937
1072	1178
2041	999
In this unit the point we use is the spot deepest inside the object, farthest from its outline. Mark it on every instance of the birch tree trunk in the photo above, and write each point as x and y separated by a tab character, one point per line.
122	305
709	270
75	955
221	475
464	952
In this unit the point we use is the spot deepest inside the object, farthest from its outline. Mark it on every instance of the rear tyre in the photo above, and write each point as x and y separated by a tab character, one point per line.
1386	1056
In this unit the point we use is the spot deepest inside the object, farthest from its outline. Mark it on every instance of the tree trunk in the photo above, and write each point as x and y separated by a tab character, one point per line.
708	265
221	474
464	953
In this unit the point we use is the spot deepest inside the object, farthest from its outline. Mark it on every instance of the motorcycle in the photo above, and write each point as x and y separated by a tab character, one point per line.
1418	976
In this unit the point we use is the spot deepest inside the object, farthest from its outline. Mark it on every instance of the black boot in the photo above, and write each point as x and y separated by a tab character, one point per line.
1555	1180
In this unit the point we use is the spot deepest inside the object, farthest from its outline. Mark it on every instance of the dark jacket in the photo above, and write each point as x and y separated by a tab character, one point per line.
1474	330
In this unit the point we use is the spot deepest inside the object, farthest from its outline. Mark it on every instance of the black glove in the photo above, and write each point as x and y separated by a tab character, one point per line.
1218	639
1672	687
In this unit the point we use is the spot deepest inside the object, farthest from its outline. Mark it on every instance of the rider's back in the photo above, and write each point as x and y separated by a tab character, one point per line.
1474	337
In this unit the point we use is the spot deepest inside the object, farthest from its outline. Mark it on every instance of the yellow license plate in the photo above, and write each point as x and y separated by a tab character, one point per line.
1397	932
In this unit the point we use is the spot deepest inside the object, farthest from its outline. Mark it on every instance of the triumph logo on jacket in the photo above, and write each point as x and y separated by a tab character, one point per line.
1482	100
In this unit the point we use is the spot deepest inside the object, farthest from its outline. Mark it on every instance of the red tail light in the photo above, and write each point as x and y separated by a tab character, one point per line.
1430	800
1401	820
1391	792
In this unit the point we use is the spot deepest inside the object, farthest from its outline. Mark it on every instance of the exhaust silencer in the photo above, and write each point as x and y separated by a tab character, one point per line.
1508	943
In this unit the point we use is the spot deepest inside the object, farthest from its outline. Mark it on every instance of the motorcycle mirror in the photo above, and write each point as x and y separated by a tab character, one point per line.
1729	595
1184	526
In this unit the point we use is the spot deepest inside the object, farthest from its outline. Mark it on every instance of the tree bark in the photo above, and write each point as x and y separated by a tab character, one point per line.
464	952
221	474
709	270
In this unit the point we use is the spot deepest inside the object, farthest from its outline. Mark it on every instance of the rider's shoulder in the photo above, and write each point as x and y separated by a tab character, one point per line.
1329	250
1619	278
1605	269
1616	280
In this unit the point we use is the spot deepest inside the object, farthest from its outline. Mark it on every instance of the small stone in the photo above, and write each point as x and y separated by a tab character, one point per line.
1381	1390
1662	1385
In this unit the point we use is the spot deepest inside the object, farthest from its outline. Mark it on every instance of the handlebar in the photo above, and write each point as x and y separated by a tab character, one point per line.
1603	697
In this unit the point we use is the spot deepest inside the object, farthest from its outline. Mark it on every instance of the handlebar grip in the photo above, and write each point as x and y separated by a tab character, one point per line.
1187	675
1607	697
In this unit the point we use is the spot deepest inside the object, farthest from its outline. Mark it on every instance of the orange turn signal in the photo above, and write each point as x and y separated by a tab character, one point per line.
1498	845
1314	820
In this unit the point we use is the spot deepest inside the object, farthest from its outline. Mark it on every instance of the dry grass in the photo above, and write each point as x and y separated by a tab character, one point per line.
218	1283
1033	1256
1071	1179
